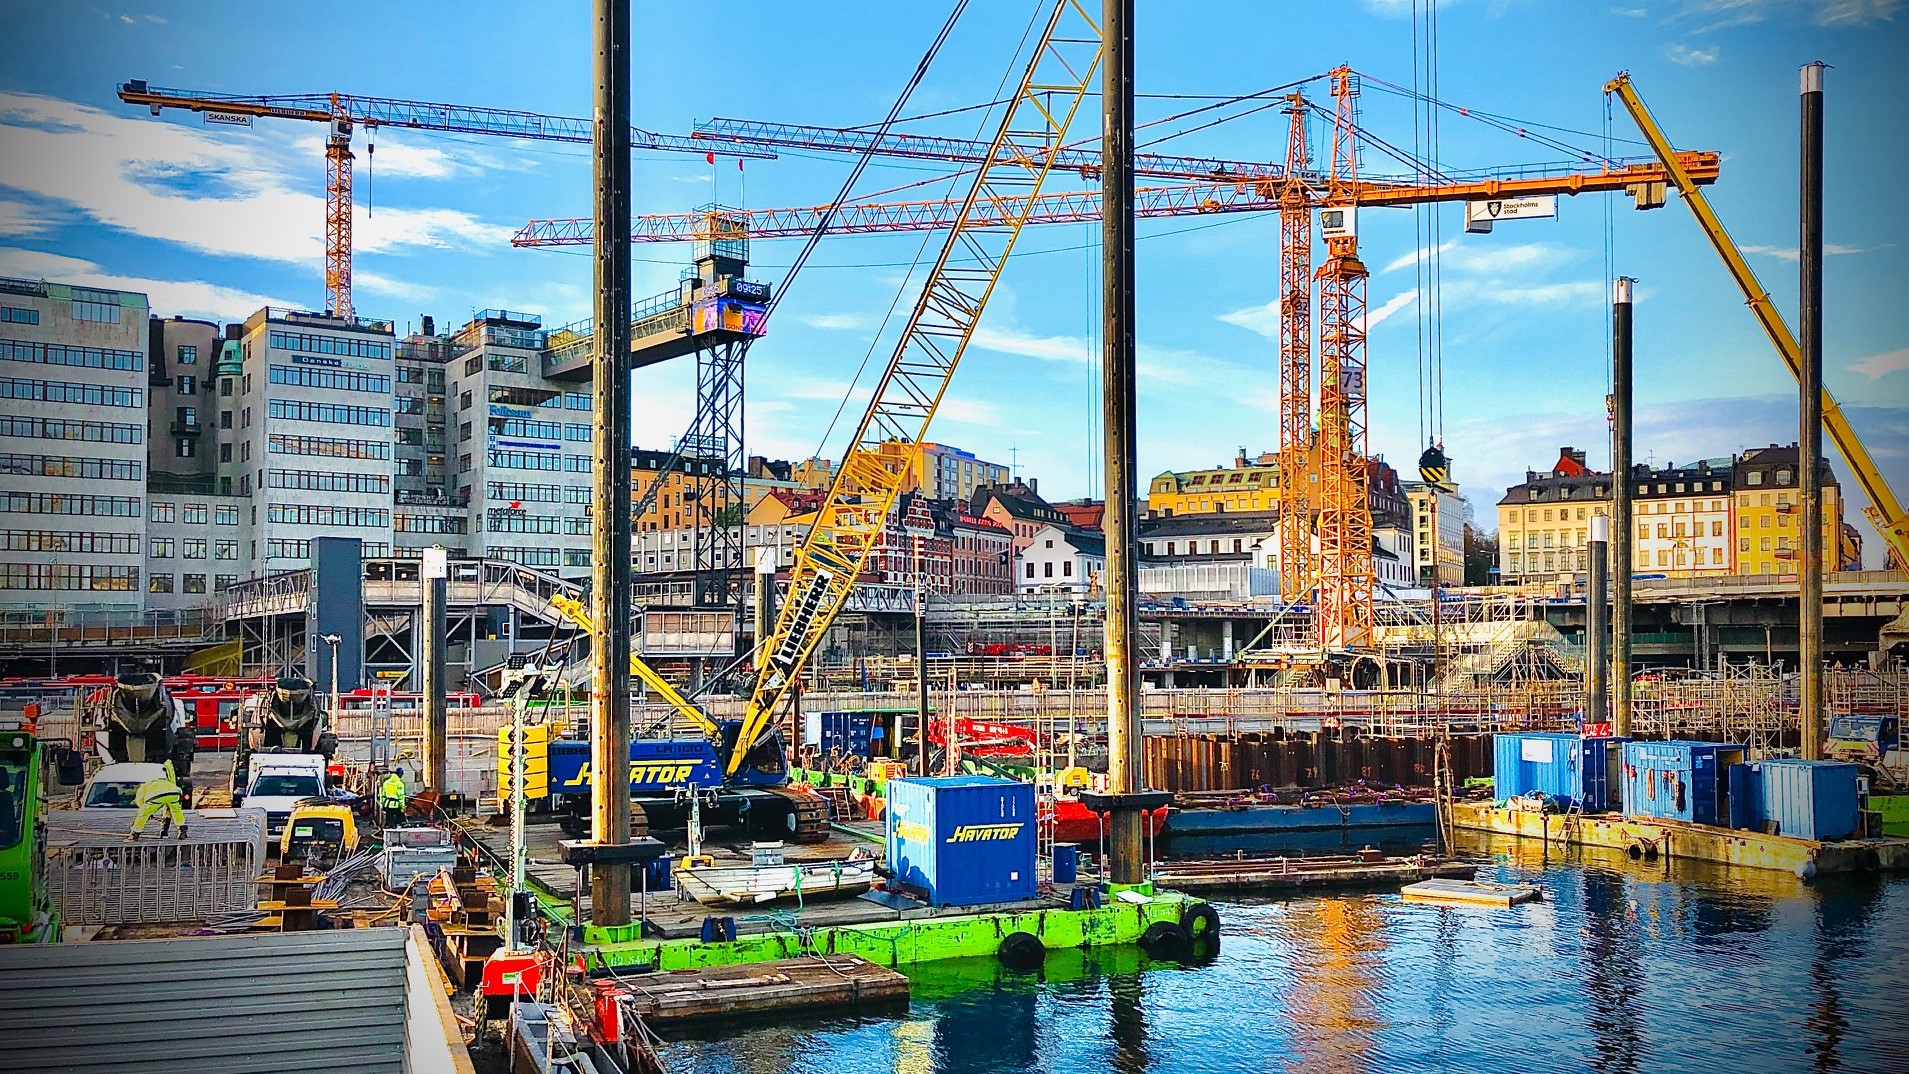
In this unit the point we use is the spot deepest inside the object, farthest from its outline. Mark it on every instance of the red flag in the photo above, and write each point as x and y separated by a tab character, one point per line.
710	157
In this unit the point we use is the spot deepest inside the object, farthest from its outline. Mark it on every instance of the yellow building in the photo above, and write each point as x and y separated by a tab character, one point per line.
1768	507
1544	523
1248	485
692	493
1682	514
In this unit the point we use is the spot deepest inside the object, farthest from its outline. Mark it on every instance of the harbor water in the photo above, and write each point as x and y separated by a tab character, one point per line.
1655	968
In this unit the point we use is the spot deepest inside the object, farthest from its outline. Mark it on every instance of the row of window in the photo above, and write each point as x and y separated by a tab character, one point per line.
538	460
69	576
342	380
190	548
98	306
19	350
57	503
99	432
69	466
310	344
112	544
193	514
308	514
326	481
335	413
520	522
328	446
404	523
66	391
17	315
190	583
294	549
521	492
536	557
1192	546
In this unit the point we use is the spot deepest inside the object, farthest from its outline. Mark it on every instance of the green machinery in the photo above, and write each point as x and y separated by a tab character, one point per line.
27	914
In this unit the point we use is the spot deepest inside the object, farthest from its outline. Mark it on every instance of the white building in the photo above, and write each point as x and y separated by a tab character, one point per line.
73	427
1437	550
1060	559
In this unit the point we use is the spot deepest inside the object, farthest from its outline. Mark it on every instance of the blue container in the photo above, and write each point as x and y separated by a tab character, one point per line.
657	871
1679	780
1804	799
1066	863
962	840
1576	771
847	734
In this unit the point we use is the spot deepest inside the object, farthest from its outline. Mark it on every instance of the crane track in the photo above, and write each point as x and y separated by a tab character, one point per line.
811	814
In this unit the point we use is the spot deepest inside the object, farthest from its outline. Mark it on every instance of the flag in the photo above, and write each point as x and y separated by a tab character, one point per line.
710	157
738	163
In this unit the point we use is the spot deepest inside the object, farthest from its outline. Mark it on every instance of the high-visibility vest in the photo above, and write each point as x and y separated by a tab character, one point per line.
392	792
156	792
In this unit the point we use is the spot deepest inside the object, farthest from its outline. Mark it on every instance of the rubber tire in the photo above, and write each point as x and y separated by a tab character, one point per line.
1021	952
1164	940
1199	920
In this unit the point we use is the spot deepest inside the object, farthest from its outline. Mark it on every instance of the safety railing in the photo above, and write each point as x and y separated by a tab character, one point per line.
98	629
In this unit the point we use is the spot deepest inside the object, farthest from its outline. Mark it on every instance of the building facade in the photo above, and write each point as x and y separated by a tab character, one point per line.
1767	500
1435	554
1544	522
1057	559
74	412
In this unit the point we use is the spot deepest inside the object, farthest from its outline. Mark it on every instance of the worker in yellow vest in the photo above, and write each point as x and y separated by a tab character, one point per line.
156	796
391	797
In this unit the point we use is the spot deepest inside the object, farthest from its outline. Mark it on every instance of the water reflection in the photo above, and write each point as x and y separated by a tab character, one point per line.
1627	968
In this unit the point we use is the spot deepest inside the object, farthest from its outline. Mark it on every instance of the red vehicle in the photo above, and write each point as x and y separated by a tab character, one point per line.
365	699
978	738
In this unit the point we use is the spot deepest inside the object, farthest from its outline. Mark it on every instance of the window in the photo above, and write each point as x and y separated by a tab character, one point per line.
1239	545
1047	570
1643	530
188	385
335	413
327	481
227	550
1663	559
63	391
225	452
193	547
1067	569
1030	570
1169	548
1754	477
126	544
68	466
159	548
103	432
223	582
1783	477
464	401
159	583
1716	527
332	379
194	583
225	387
97	306
304	514
328	446
1663	530
1766	544
188	355
1743	522
347	348
225	419
1743	544
161	512
185	447
17	315
1764	522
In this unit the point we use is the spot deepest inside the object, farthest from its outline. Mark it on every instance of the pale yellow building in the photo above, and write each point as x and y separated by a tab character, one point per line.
1767	505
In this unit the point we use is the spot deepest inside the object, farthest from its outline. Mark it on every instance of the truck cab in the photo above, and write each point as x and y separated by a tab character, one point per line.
277	782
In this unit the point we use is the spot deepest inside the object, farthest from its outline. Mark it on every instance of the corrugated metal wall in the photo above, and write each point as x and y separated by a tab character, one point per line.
1245	761
299	1002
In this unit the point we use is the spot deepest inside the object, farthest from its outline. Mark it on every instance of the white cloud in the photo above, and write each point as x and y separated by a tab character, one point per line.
1391	306
1830	249
1679	53
836	322
218	192
1261	320
393	288
968	412
186	298
1629	12
18	220
1028	345
1882	365
1415	256
155	20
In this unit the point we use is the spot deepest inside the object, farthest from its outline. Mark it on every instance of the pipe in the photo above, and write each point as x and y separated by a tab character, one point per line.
610	466
1597	668
1623	527
431	651
1127	854
1809	452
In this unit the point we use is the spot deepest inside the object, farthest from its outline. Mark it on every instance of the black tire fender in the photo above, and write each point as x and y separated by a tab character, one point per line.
1199	920
1021	951
1164	940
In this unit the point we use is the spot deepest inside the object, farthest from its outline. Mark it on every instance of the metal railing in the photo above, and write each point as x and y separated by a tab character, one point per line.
81	629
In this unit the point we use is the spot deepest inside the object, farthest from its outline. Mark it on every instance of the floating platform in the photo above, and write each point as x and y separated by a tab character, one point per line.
1471	892
841	983
1652	838
1264	817
1236	876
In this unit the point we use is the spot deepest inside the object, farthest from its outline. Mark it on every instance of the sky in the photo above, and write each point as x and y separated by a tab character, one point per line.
214	222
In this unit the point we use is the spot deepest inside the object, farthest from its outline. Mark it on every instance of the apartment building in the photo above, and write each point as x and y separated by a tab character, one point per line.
1017	508
1682	514
1544	522
1061	560
1766	498
1435	554
428	507
944	472
314	444
73	446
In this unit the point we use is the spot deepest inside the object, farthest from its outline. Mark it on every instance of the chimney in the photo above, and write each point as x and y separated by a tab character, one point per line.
429	325
1239	460
1034	485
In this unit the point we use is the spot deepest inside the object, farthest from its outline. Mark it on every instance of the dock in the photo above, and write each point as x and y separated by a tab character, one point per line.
1471	892
1281	875
1653	839
811	984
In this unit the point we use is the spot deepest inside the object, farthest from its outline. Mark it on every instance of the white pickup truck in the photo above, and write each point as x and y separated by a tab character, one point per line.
277	782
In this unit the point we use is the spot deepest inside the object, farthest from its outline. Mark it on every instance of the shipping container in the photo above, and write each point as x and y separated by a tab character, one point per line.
1687	781
1578	772
1790	796
962	840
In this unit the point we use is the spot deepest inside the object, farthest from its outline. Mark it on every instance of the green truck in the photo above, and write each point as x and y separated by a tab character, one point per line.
27	914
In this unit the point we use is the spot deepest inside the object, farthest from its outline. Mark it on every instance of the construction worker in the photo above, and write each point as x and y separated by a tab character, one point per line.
391	797
161	794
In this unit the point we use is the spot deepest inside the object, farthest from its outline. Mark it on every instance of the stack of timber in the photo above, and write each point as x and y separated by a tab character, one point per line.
1242	875
836	982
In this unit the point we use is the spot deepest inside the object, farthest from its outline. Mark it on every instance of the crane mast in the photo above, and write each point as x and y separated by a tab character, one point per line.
1884	510
854	515
1295	361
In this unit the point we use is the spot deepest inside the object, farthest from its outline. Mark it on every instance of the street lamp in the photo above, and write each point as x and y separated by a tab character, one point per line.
332	640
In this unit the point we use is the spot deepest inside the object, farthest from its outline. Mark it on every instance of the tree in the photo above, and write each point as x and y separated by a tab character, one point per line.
1481	555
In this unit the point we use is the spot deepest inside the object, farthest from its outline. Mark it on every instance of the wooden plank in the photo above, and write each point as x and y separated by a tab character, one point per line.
1471	892
809	984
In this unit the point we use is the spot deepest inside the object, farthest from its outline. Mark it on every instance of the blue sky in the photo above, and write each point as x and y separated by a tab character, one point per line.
214	222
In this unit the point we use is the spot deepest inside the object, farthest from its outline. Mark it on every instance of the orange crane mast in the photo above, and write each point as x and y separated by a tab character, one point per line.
342	113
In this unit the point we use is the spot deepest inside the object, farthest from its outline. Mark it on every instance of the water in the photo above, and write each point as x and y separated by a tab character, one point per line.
1650	968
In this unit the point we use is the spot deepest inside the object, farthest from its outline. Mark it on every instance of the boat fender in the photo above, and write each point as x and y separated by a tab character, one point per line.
1164	940
1200	920
1021	951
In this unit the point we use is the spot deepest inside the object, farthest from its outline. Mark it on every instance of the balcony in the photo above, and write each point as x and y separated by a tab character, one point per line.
187	428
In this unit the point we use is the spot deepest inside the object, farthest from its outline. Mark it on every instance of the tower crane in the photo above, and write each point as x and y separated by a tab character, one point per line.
1340	575
342	113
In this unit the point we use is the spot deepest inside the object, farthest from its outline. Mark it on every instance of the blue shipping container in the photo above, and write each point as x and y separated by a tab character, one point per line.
1580	772
962	840
847	734
1804	799
1679	780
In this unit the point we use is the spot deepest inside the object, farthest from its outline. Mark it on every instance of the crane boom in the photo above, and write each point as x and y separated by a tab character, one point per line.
1885	510
575	611
376	112
1081	206
853	517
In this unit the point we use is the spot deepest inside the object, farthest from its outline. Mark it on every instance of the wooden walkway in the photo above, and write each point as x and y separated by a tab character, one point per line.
1286	875
839	982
